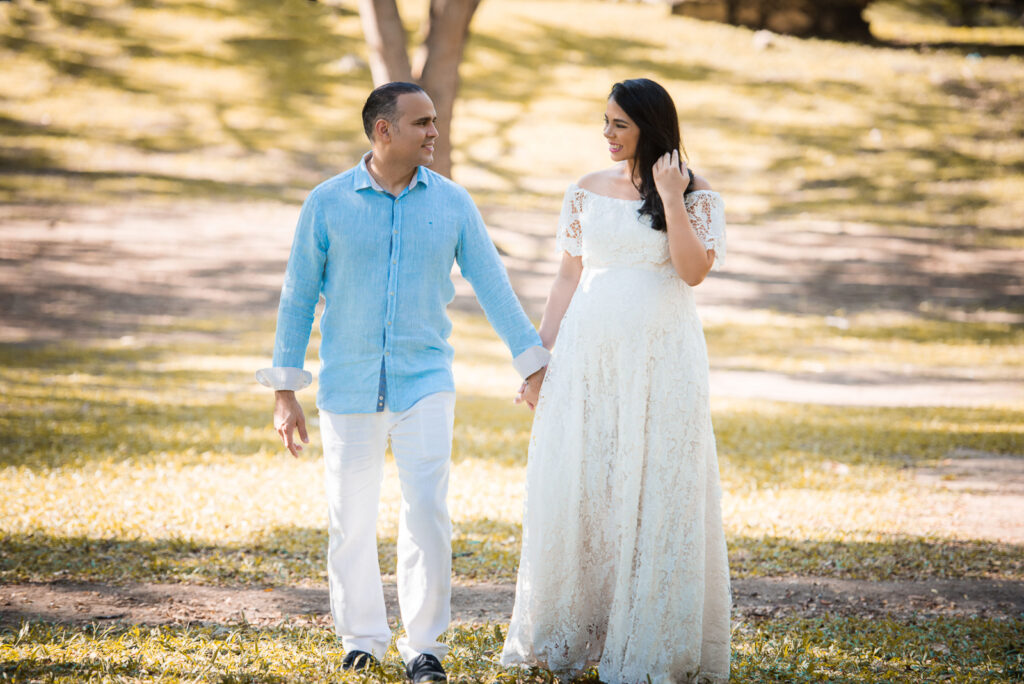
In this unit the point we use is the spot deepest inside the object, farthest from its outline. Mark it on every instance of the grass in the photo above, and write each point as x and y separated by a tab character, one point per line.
250	99
899	345
156	462
790	650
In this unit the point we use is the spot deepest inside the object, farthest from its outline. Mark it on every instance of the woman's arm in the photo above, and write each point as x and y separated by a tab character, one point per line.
561	294
558	299
690	258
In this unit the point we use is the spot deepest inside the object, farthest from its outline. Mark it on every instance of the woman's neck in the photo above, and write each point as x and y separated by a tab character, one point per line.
631	173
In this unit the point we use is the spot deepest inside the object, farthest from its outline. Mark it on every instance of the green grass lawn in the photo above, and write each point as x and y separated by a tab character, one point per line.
156	463
243	99
790	650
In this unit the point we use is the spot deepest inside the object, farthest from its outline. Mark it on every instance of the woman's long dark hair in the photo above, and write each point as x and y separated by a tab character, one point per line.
652	110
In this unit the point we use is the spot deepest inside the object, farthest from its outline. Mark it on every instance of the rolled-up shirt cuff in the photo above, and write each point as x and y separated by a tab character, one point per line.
531	361
281	378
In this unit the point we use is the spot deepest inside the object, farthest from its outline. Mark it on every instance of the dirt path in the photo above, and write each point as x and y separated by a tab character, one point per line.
159	604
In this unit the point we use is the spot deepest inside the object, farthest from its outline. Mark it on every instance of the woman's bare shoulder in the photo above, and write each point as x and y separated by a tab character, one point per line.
598	181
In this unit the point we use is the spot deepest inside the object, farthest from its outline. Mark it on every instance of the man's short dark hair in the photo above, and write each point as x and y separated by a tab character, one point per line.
382	103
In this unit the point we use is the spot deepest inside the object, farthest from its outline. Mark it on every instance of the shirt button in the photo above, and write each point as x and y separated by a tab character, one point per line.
387	353
395	232
389	322
394	261
381	397
391	294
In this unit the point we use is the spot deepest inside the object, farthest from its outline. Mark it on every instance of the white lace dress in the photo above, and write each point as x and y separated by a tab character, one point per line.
623	562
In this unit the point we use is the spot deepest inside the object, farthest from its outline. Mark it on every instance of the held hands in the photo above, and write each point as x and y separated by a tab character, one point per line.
529	391
288	416
670	176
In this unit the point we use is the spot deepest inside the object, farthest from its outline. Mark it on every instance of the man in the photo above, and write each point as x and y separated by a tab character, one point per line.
378	241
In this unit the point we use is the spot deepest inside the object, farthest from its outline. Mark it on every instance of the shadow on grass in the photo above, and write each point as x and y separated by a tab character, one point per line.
850	649
291	46
834	171
228	652
528	80
898	557
857	649
55	431
68	406
482	549
290	51
522	76
890	273
40	296
963	48
775	443
271	560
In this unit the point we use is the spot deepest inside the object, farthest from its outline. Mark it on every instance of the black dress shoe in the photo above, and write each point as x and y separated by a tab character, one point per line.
425	668
358	661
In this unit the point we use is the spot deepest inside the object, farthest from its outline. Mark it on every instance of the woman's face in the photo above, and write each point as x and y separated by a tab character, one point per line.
620	132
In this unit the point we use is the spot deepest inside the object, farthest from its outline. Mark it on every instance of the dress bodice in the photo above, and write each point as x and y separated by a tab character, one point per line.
609	232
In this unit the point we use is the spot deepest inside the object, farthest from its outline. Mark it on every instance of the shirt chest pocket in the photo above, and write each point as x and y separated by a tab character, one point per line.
432	239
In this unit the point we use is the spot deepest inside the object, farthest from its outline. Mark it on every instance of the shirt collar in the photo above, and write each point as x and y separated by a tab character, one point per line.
363	179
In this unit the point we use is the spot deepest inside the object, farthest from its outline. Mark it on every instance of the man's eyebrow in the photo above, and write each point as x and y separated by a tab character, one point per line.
425	119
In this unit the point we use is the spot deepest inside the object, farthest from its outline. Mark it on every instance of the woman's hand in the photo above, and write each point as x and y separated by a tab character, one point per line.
529	392
670	176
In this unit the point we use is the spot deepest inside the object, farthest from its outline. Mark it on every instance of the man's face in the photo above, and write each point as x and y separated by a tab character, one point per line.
412	137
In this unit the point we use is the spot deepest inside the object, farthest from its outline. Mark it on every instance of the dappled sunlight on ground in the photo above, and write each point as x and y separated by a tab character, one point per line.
163	458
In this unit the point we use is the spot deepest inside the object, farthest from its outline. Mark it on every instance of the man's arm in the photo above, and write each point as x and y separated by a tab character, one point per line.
299	296
480	264
562	290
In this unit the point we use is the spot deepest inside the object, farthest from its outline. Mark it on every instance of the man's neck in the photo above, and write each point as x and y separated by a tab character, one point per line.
392	177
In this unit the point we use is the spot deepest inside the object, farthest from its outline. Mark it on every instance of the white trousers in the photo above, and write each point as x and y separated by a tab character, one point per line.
354	446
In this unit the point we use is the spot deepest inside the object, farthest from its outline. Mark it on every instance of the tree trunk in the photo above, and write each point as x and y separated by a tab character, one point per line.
437	60
385	40
437	67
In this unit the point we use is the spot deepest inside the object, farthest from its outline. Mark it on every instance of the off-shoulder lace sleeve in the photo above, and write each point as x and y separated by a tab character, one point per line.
707	216
570	231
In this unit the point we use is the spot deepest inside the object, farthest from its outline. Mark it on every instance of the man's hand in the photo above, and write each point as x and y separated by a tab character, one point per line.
288	416
529	391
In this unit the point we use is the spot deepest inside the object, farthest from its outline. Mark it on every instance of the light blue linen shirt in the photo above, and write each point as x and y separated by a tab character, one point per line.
383	265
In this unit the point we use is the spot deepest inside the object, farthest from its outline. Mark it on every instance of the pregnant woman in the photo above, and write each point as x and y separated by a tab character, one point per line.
624	563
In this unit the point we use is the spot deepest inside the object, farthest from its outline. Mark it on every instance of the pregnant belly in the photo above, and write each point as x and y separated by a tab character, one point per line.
625	302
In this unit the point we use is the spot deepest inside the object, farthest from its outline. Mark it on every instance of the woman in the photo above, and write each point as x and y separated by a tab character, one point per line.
624	563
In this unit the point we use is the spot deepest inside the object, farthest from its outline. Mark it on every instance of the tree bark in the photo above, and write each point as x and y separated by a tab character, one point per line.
437	67
385	40
437	60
